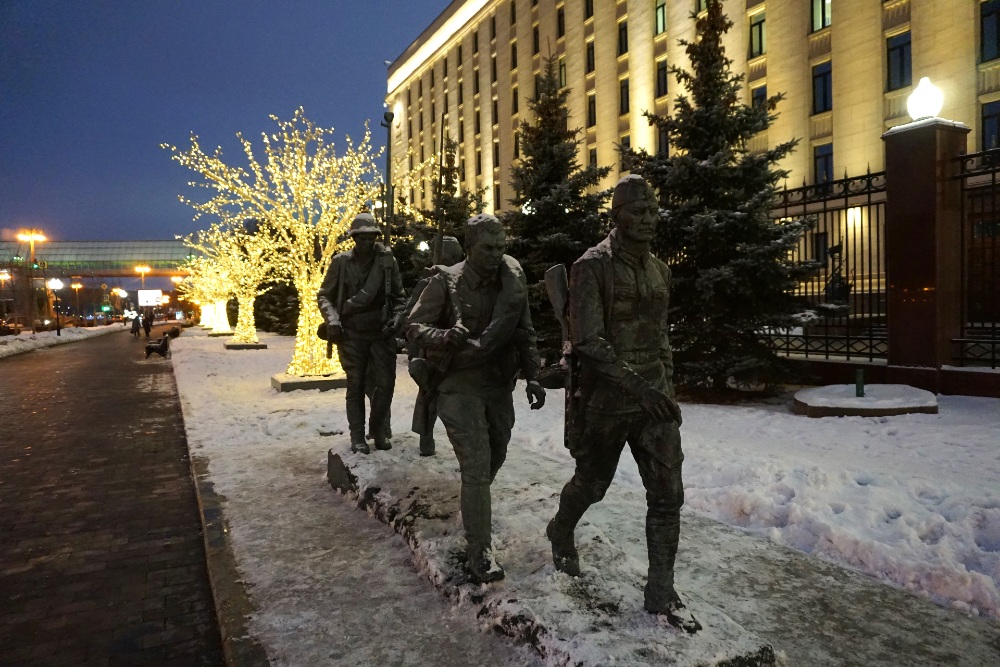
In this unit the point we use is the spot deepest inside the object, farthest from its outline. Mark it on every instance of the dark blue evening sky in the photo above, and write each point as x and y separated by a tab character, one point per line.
90	88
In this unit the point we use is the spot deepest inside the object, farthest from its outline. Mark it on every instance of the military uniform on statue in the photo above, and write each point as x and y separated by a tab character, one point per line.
618	324
472	319
362	301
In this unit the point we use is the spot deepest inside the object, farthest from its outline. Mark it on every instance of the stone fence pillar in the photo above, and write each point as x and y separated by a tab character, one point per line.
923	250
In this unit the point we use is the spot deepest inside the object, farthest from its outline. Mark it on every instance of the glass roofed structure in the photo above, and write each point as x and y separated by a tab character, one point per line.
104	258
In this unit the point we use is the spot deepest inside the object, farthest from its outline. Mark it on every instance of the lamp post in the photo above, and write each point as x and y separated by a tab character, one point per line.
55	285
4	277
76	289
387	118
142	271
31	236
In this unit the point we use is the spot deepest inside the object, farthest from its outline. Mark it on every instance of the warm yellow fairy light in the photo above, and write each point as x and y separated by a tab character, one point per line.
304	196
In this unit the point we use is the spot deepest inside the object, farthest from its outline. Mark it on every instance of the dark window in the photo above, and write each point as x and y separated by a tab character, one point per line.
409	127
493	27
991	126
496	154
517	145
420	121
590	56
458	55
461	168
411	161
560	22
493	69
534	2
421	152
758	35
461	131
475	42
822	87
623	96
444	66
588	9
513	100
622	37
513	12
823	163
420	88
535	44
496	111
461	92
475	81
479	163
513	55
478	121
898	63
538	81
821	246
820	14
593	157
758	97
434	113
591	110
661	78
623	147
661	16
432	80
662	140
562	72
407	97
989	29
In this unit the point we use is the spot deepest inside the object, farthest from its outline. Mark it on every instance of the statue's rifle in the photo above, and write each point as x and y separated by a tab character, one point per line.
557	288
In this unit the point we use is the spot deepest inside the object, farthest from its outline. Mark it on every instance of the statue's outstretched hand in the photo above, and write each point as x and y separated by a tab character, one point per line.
536	395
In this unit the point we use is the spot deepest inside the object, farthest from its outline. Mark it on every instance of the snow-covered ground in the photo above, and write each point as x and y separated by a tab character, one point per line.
912	500
26	341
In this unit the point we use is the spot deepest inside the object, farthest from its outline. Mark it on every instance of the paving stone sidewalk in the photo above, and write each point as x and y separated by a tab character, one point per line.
102	560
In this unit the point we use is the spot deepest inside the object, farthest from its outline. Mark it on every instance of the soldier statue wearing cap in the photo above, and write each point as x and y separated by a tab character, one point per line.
362	302
618	301
472	321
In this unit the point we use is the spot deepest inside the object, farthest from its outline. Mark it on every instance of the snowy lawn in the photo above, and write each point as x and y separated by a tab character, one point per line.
912	500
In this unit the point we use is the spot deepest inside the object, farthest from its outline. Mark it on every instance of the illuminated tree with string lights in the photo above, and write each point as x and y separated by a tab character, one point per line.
305	195
245	257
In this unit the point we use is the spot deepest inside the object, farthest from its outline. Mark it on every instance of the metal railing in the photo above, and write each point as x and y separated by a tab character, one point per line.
979	178
845	301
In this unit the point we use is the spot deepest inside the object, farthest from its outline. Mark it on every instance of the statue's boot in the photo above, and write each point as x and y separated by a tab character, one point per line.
573	502
427	447
662	535
477	515
356	425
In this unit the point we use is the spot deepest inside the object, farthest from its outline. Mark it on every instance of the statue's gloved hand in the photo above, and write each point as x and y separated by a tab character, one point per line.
391	328
335	333
659	405
456	336
536	395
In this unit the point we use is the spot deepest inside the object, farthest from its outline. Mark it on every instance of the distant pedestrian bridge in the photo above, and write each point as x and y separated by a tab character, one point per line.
111	259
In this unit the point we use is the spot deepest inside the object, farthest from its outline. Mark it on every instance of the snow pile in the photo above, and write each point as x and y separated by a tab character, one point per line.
877	396
27	341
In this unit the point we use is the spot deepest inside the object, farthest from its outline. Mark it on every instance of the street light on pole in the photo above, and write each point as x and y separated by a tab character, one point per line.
4	277
31	236
55	285
142	271
76	289
387	118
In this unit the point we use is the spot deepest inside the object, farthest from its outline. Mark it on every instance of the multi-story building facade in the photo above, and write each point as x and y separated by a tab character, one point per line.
846	68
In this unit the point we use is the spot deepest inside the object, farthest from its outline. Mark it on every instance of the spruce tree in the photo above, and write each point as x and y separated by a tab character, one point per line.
556	208
732	277
451	208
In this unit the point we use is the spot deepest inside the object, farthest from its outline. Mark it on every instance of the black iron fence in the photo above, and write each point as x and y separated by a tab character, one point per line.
844	303
979	344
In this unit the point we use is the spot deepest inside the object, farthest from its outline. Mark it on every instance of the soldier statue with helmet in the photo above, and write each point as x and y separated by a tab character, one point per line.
362	301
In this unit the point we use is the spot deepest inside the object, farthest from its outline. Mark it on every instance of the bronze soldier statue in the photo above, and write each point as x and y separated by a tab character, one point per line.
425	407
618	302
362	301
472	319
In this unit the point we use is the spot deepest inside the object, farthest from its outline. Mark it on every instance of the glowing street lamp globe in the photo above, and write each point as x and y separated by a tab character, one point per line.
55	284
925	101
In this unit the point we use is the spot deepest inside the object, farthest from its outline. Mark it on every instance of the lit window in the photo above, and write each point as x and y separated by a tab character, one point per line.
661	16
822	87
898	62
991	126
623	96
661	78
823	163
622	37
820	14
989	30
758	97
758	36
